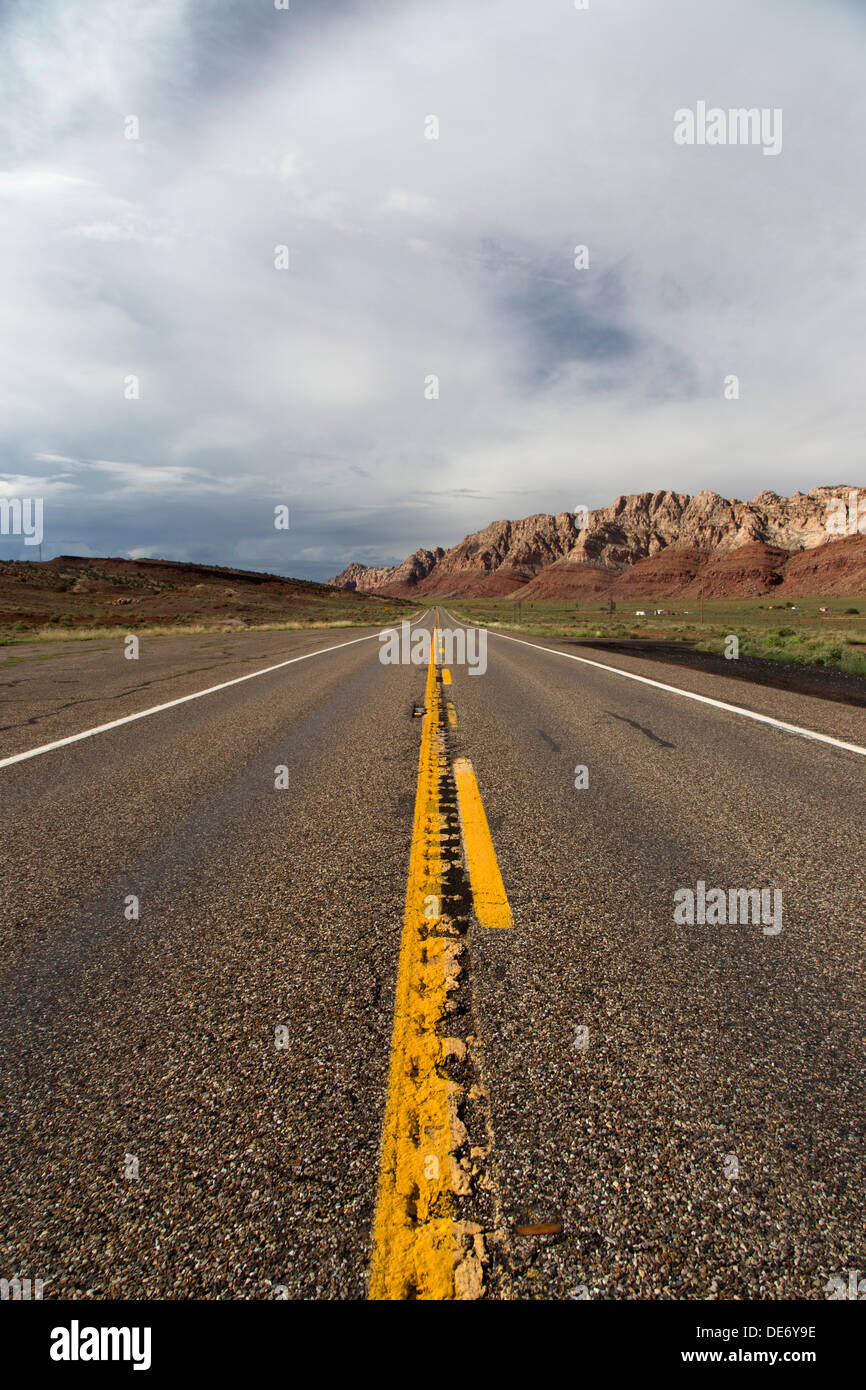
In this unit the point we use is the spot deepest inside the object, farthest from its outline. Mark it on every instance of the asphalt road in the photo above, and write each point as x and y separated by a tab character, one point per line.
704	1137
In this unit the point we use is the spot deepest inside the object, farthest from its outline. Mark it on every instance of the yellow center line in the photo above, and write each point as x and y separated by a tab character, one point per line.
488	890
415	1250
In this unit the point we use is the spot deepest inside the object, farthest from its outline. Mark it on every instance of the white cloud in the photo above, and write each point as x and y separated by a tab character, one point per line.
414	204
22	181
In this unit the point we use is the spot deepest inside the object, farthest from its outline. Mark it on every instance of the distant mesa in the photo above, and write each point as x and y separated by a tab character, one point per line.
649	544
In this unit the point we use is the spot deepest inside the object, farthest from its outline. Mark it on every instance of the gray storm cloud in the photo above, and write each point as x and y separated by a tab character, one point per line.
153	260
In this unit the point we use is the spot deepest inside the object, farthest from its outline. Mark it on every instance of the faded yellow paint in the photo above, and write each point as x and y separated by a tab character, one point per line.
415	1247
452	715
488	890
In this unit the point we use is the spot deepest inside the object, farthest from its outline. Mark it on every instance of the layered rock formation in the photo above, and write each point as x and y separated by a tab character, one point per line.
372	578
648	544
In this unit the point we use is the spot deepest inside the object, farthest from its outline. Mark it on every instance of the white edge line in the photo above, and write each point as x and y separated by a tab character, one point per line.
686	694
184	699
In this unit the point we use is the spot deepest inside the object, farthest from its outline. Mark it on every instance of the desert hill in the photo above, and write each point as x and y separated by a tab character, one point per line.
72	592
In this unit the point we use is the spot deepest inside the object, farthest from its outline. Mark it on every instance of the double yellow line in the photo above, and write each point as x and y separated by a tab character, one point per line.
420	1246
414	1241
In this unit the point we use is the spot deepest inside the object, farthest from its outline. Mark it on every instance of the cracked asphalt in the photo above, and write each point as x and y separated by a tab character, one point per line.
231	1046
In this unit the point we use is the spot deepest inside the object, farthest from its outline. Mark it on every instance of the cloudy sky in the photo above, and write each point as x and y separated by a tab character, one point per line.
153	258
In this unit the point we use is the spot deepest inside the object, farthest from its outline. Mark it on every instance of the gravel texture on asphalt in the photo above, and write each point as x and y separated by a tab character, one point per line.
706	1142
711	1050
257	1165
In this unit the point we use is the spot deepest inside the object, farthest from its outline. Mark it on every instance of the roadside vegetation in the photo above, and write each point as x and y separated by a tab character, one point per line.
793	630
61	633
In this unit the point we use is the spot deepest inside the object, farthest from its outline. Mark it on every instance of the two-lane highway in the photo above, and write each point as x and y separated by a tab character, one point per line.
201	918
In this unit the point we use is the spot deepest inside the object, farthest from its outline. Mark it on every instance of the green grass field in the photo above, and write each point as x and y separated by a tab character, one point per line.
792	630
